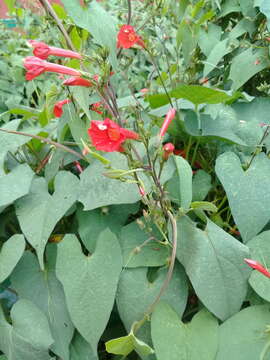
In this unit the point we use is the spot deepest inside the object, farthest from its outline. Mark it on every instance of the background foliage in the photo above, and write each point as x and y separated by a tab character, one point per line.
82	258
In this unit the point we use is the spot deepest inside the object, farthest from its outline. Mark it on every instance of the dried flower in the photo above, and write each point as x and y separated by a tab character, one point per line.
108	136
36	66
42	51
57	110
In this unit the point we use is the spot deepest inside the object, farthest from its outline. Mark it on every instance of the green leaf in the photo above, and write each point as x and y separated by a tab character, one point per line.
199	94
29	335
80	349
252	62
265	9
15	185
180	185
203	205
260	251
11	253
97	190
39	212
136	293
201	185
10	142
140	250
92	223
209	38
89	283
174	340
46	292
126	344
214	263
104	32
243	336
246	190
224	125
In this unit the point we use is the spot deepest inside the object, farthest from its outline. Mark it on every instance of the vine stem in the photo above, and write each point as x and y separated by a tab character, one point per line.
46	140
47	6
129	12
168	276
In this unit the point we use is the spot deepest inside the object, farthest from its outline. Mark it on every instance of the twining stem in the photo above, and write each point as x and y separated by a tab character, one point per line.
46	140
265	134
47	6
129	12
159	75
168	276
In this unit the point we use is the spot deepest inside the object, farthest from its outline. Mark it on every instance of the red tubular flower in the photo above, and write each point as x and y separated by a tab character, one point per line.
169	117
257	266
57	110
77	81
35	67
42	51
108	136
127	37
167	150
97	107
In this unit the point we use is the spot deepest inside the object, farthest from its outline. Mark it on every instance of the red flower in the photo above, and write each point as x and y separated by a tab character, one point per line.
77	81
169	117
35	67
168	150
42	51
257	266
57	110
108	136
127	37
97	107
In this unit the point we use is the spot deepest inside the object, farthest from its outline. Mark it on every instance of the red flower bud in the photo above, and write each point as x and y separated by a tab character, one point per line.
77	81
108	136
257	266
169	117
167	150
97	107
35	67
42	51
127	37
57	110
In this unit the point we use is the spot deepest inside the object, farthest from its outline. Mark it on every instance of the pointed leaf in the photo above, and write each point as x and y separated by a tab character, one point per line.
39	212
46	292
214	262
89	282
11	253
29	335
246	190
243	336
174	340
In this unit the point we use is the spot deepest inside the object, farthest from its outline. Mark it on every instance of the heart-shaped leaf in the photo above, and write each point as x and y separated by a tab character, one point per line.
46	292
140	250
247	190
260	251
88	18
15	185
80	349
39	212
89	282
97	190
214	262
136	293
174	340
243	336
29	335
11	253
